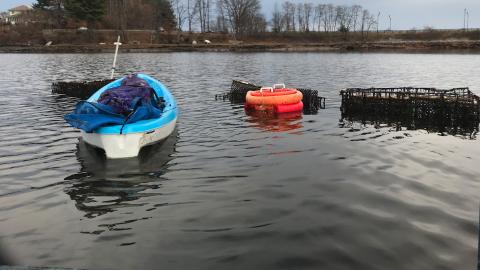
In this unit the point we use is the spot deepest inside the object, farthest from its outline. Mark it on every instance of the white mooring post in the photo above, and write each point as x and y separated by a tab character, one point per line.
117	44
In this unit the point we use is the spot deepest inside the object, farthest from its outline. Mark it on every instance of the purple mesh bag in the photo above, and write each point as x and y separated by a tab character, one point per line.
124	98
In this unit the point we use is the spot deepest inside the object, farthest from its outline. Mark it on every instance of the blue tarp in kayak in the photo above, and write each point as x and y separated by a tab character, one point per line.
132	101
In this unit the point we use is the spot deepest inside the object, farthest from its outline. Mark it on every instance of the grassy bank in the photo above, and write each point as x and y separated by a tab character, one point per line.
371	46
33	40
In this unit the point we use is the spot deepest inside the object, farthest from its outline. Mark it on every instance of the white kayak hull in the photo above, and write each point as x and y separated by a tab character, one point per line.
128	145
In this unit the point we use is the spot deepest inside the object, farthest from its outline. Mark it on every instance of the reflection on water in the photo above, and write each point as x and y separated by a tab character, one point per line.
269	121
359	122
104	185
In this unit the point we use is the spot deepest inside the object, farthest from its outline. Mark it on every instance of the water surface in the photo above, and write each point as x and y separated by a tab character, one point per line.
232	191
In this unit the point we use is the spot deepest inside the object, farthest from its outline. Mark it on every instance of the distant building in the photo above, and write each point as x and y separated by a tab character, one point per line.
16	15
3	17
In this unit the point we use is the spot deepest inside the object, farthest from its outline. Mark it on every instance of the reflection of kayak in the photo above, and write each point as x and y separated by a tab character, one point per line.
118	134
123	181
152	158
278	99
275	122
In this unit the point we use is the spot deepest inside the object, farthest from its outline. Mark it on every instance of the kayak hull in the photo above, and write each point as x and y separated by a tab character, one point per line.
128	145
125	141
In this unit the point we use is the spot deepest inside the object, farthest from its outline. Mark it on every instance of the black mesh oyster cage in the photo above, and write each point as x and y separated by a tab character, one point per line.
81	90
454	111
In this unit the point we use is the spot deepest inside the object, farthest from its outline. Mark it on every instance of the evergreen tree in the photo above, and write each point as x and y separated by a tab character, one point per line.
42	4
164	15
54	9
87	10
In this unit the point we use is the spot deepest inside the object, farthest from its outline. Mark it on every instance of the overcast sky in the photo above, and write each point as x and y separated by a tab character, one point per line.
406	14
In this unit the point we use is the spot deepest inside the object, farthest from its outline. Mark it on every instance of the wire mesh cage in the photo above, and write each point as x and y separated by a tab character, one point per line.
454	111
238	92
81	90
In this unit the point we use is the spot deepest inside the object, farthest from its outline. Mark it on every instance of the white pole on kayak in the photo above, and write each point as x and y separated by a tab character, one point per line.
117	44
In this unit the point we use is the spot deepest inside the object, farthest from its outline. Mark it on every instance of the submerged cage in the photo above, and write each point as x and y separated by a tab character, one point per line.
238	92
81	90
454	111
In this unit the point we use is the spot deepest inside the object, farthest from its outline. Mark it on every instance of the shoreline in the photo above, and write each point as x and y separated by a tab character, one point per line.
462	46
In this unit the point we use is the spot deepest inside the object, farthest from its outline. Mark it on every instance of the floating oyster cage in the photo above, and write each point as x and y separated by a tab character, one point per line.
238	92
455	111
82	89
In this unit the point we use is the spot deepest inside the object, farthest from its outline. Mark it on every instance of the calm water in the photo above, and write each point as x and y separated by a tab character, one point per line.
231	191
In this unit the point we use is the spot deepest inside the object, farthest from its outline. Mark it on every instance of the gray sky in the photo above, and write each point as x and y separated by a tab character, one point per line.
406	14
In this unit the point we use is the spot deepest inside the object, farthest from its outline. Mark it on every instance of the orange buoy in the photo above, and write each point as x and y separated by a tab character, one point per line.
288	108
276	92
278	98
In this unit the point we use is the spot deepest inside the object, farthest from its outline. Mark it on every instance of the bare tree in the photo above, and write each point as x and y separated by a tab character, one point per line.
289	15
276	19
239	12
258	23
330	18
286	16
316	18
356	10
368	21
200	8
349	17
308	10
203	8
300	18
320	11
222	23
292	12
191	12
208	15
340	17
180	12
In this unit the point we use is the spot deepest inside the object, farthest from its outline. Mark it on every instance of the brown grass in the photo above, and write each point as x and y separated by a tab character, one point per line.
34	35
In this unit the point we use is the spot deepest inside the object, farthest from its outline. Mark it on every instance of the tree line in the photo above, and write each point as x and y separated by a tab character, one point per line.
306	17
244	16
110	14
226	16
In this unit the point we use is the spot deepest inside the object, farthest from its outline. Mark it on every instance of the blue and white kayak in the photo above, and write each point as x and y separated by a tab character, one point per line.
124	141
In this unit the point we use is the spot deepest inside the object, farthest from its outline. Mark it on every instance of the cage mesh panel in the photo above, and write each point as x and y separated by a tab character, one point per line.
78	89
455	111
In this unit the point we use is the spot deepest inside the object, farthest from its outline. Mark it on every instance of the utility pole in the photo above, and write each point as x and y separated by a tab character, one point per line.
468	19
378	20
390	26
464	19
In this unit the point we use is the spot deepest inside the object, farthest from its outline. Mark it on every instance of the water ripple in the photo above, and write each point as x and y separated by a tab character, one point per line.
231	190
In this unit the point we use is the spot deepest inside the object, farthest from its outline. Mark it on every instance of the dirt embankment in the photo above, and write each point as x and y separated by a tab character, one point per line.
374	46
31	39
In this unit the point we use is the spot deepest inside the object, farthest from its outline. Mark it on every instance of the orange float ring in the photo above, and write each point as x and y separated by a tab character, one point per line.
276	97
276	92
259	107
289	108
